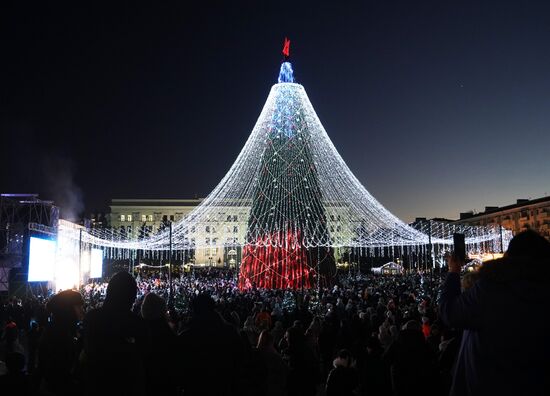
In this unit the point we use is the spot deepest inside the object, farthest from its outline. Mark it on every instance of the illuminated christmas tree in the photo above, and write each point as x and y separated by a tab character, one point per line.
290	202
287	213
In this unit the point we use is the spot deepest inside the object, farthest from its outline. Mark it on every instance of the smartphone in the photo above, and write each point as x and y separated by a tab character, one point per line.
459	247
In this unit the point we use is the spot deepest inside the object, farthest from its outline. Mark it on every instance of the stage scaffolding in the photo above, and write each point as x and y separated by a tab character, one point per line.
19	213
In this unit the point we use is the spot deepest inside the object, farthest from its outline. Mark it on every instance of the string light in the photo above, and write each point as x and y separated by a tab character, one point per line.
311	191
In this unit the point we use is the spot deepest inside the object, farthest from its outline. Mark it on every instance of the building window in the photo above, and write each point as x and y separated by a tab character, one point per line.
213	251
165	218
143	218
129	217
235	218
235	229
122	217
207	228
228	218
171	217
129	230
149	217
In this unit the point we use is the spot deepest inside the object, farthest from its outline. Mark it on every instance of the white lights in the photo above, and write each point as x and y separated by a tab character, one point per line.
323	191
41	259
96	263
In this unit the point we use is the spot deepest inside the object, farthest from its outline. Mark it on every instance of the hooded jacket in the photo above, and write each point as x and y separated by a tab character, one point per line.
505	346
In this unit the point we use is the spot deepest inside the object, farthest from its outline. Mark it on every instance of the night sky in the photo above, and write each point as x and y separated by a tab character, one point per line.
437	107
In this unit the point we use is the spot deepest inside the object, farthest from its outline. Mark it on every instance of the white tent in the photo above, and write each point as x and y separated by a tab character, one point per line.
390	268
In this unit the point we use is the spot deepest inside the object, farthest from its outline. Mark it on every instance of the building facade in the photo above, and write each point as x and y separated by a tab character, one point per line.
134	214
143	217
524	214
219	240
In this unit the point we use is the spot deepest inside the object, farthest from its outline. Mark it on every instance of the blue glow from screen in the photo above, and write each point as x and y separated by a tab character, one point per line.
41	260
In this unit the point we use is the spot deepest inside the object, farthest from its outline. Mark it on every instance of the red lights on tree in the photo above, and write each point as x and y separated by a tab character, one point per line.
282	265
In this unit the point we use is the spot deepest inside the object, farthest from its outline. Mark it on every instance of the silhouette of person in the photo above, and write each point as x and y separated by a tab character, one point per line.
160	366
209	345
116	342
343	379
15	381
60	346
505	344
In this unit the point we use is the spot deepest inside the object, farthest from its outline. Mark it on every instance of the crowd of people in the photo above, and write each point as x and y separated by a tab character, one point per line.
418	333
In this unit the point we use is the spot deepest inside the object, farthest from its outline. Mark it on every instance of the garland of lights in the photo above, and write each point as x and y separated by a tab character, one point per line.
289	179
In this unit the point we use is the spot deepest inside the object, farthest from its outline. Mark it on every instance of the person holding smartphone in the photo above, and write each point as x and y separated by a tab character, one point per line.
505	345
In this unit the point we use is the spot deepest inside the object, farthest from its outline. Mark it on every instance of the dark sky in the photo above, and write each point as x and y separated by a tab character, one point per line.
437	107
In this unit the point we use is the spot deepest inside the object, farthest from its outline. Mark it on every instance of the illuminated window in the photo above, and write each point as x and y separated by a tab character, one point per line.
149	217
122	217
129	217
143	217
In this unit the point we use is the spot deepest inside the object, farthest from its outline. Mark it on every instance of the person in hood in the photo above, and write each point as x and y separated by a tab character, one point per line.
505	343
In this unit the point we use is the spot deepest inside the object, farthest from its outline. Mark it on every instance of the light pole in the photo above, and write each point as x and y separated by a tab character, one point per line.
170	269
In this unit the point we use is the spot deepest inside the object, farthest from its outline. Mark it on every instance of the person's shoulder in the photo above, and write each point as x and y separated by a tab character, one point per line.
94	314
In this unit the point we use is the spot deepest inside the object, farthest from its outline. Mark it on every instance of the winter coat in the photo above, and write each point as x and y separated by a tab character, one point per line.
505	346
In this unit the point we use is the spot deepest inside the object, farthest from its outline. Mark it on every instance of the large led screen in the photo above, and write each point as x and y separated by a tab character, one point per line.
41	260
96	263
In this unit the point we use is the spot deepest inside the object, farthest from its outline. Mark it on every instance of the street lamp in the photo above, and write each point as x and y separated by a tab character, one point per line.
170	296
